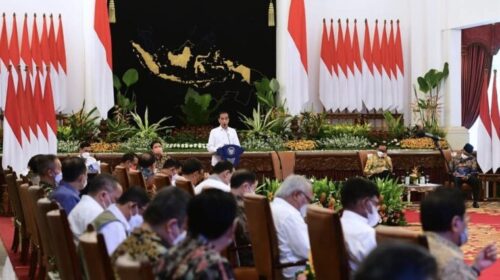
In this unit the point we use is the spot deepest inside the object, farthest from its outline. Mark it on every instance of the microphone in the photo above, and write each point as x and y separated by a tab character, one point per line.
422	133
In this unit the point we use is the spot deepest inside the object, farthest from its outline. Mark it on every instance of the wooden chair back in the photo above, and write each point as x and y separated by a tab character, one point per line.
14	198
186	186
363	158
263	236
135	179
283	164
67	260
96	262
120	173
329	254
28	213
385	234
43	206
34	194
128	269
161	181
105	168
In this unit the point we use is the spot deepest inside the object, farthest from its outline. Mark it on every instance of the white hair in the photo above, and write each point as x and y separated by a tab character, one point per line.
292	184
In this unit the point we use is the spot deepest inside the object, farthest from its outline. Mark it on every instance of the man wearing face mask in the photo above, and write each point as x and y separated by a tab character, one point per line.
359	197
242	182
93	165
379	165
289	209
67	194
211	225
444	222
157	150
103	190
220	179
464	168
49	169
113	223
164	226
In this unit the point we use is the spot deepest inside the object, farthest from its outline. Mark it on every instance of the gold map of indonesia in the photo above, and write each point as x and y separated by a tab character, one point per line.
179	66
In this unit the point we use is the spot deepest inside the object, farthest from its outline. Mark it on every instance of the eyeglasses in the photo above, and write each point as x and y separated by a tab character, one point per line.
309	199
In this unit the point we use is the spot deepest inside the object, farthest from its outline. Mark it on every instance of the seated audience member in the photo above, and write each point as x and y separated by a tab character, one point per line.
359	197
67	194
49	169
33	172
129	161
242	182
164	226
220	179
103	190
444	222
379	165
192	171
464	168
93	166
113	223
146	165
289	209
157	150
170	168
211	225
398	261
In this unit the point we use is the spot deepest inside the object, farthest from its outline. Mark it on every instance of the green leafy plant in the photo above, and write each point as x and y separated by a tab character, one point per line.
84	125
344	141
327	193
125	105
145	129
266	91
307	125
118	130
67	146
64	133
429	105
137	144
258	123
396	128
268	188
268	141
197	109
332	130
391	202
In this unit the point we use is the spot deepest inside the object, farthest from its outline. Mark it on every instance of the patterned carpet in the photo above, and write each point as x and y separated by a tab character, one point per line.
484	229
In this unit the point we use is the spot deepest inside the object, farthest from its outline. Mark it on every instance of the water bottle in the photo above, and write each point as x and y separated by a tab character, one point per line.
422	178
407	178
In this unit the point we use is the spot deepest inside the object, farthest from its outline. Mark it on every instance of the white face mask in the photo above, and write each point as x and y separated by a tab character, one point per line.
464	156
179	238
58	178
380	154
373	216
303	210
85	155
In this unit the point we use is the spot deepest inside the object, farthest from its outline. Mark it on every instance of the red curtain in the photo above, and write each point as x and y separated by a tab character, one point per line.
476	63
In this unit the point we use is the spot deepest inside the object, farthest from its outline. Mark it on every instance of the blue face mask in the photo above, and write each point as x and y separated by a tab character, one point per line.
464	237
58	178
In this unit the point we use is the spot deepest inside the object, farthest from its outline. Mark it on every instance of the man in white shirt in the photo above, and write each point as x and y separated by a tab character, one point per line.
220	136
359	198
113	223
220	179
103	190
288	209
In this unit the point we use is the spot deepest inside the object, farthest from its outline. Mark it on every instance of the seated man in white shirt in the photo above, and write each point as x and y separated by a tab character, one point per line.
359	197
113	223
288	209
220	136
103	190
220	179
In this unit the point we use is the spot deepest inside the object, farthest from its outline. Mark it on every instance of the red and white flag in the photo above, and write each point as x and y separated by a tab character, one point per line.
351	83
297	87
368	82
484	130
377	70
12	139
50	114
36	52
25	153
26	60
335	69
4	63
30	115
495	123
398	49
393	68
325	70
63	72
39	112
358	69
343	71
386	71
54	66
45	47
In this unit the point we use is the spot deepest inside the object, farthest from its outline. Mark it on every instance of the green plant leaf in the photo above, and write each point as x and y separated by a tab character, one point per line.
423	85
274	85
116	83
130	77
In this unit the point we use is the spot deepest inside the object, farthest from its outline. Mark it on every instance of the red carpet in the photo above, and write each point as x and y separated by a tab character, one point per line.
483	229
6	234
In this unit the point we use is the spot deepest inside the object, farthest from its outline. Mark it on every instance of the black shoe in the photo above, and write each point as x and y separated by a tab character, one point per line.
475	204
